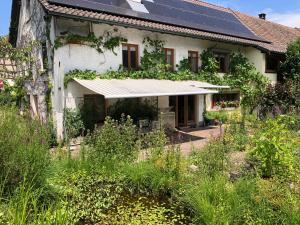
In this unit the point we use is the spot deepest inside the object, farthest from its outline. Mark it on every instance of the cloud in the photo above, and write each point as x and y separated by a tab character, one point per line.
290	18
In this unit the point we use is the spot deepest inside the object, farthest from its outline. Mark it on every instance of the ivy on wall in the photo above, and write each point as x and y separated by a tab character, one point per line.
244	76
79	74
106	42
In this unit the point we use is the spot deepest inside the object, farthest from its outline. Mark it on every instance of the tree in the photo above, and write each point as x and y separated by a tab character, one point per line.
291	66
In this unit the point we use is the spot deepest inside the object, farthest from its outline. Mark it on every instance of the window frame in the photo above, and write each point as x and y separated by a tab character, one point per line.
274	57
197	60
129	55
218	53
172	59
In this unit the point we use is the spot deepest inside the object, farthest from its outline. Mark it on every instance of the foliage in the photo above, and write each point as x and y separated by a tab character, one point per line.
153	57
221	116
246	201
209	62
116	140
184	65
73	123
134	108
280	98
213	160
274	148
79	74
243	75
210	78
7	96
21	55
236	137
106	42
88	195
291	66
23	150
25	65
146	211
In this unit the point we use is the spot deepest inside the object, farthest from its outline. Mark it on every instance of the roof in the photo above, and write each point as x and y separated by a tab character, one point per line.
201	84
279	35
129	88
271	36
172	12
123	20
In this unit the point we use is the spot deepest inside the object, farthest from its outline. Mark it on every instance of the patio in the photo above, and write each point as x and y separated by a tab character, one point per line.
191	139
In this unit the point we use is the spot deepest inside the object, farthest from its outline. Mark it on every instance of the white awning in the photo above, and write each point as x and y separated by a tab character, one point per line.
130	88
201	84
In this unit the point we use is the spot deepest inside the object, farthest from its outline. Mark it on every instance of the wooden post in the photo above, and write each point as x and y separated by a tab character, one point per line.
186	110
176	112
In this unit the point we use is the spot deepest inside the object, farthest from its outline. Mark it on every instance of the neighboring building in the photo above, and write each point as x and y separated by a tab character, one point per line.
188	27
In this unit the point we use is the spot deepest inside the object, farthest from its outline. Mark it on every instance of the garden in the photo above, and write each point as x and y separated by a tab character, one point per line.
248	175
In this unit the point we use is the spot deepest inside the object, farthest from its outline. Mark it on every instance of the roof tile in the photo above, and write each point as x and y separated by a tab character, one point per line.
278	35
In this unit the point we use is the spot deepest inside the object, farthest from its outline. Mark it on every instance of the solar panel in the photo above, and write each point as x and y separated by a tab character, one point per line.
173	12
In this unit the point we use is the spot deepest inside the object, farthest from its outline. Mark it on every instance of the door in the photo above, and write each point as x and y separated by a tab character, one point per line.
185	110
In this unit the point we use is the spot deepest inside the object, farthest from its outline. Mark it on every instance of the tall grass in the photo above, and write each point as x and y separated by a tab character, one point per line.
24	149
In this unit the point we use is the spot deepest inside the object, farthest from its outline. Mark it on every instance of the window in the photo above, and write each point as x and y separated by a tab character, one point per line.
226	100
130	56
223	61
272	63
193	61
169	57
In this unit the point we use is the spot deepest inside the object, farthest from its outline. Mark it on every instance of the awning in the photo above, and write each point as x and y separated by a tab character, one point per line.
201	84
130	88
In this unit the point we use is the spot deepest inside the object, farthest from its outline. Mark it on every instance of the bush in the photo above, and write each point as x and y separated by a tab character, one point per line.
244	76
24	149
73	123
247	201
235	137
212	160
134	108
280	99
220	116
274	147
115	141
291	66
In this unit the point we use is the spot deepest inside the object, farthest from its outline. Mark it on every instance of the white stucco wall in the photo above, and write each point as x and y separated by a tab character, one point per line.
75	56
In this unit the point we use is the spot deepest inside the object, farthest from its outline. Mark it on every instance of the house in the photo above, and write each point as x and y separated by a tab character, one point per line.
188	27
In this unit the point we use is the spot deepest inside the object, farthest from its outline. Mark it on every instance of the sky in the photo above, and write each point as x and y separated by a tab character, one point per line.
286	12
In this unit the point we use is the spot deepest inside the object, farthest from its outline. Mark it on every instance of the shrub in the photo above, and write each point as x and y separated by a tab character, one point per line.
291	66
274	148
159	176
221	116
137	110
116	141
212	160
244	76
24	149
73	123
280	99
247	201
235	137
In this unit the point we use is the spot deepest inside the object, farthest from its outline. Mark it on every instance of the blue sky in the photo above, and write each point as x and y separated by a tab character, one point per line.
281	11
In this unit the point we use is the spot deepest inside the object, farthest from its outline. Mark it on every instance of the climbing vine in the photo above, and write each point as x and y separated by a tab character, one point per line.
153	57
106	42
244	76
79	74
